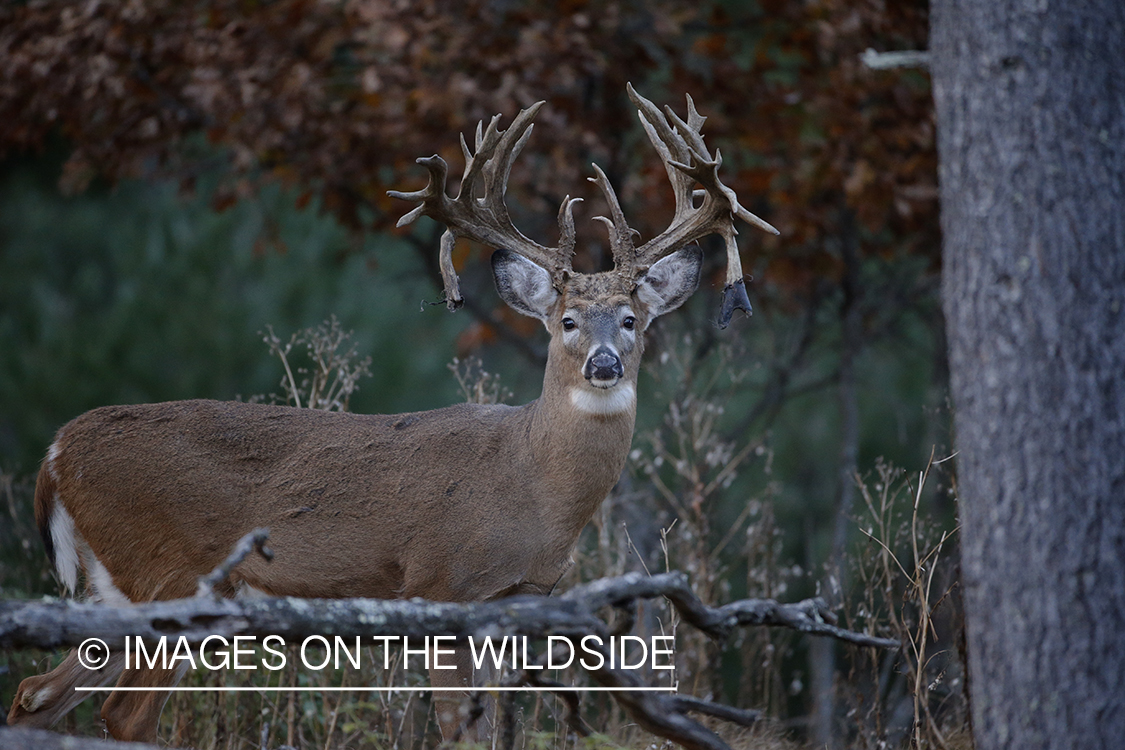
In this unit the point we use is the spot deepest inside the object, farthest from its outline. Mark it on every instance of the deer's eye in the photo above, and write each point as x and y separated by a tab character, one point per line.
569	324
629	323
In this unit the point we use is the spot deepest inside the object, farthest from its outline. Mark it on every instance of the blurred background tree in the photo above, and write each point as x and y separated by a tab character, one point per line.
177	176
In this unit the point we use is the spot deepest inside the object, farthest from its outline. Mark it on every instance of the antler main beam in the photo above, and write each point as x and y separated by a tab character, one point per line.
688	162
485	219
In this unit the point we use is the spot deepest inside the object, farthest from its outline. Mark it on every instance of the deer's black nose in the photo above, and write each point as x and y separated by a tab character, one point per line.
604	365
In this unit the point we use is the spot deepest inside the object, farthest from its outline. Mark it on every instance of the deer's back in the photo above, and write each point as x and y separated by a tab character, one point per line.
357	505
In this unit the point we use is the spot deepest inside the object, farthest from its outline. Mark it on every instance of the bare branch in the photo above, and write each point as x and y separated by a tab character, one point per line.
255	540
741	716
68	623
888	60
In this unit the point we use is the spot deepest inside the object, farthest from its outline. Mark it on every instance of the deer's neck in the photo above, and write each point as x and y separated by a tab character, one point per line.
580	440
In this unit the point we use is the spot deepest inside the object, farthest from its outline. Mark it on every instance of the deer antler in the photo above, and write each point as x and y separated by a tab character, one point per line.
687	161
486	219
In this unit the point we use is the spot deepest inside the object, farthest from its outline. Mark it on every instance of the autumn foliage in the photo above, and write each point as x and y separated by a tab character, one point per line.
337	99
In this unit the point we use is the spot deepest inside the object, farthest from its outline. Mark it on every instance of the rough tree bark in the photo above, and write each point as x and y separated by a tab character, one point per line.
1030	99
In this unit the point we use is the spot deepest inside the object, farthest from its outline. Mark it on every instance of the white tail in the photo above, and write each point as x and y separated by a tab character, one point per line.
469	502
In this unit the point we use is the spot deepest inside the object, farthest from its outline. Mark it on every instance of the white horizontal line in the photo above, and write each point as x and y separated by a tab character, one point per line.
484	689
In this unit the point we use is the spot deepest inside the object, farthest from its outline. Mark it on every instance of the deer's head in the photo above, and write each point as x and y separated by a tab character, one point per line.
596	320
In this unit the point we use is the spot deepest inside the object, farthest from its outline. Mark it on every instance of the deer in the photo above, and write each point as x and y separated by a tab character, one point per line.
464	503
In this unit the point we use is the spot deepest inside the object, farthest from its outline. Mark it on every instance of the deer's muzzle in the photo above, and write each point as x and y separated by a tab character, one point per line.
604	365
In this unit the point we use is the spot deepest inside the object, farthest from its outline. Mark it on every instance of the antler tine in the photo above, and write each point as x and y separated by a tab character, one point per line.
511	143
689	131
669	147
687	161
566	228
434	192
620	233
474	164
485	219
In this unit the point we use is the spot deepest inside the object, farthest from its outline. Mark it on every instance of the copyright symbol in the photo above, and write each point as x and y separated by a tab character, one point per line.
93	653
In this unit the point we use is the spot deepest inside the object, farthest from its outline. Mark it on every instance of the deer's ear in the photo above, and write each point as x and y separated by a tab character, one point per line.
524	285
670	281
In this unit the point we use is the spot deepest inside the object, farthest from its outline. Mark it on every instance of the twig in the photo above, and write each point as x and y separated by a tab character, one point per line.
335	714
255	540
741	716
572	716
660	714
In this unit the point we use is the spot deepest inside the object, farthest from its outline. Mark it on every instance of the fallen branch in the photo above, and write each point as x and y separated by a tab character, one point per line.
574	614
41	739
810	616
35	624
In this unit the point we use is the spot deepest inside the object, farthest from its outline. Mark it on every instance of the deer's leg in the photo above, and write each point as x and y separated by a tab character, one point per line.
448	704
44	699
134	716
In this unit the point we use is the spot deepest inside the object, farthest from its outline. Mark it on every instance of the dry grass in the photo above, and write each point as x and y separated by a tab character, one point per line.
906	579
332	371
662	515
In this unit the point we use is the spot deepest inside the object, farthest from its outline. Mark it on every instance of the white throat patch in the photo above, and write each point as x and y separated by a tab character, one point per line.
604	402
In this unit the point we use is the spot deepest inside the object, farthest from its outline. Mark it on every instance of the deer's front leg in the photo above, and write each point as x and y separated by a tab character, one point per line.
134	716
454	708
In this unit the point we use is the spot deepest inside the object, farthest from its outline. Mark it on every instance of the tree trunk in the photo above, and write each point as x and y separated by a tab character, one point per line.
1030	100
822	651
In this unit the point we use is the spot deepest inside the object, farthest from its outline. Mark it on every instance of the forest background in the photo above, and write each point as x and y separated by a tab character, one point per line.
178	179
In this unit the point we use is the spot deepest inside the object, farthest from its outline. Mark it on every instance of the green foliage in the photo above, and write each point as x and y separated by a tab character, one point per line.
139	294
23	566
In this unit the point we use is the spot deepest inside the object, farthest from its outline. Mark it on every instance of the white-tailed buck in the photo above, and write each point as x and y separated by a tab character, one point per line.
469	502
